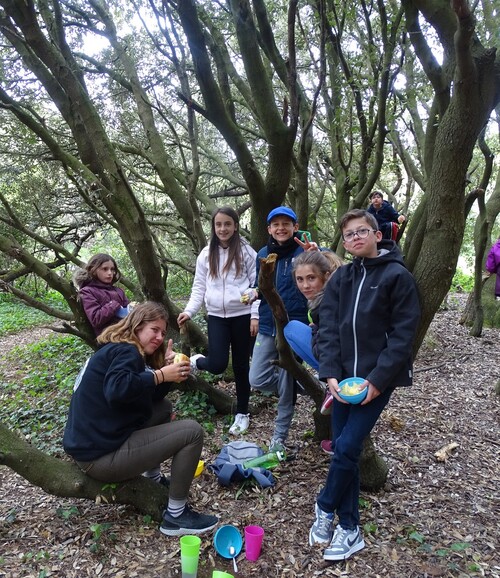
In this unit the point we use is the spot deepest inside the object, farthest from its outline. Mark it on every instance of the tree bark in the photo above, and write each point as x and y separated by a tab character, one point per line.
66	480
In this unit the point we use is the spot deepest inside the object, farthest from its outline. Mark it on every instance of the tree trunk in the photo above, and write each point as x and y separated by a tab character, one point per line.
372	468
65	479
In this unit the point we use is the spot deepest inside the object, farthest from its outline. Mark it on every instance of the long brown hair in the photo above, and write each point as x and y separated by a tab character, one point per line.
234	247
96	261
125	331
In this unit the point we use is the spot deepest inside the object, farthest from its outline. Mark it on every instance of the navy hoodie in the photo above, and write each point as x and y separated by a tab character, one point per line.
113	399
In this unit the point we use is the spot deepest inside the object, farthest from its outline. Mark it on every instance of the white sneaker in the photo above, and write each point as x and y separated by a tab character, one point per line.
240	424
321	531
194	367
344	544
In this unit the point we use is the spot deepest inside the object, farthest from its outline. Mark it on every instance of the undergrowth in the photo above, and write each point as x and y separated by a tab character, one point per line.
34	398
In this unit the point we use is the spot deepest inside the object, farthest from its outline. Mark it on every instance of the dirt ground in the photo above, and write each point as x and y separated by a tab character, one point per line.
433	518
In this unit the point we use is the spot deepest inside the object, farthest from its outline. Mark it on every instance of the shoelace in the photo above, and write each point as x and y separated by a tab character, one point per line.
339	536
324	522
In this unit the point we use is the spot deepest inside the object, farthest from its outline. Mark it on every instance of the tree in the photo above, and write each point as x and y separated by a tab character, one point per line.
311	104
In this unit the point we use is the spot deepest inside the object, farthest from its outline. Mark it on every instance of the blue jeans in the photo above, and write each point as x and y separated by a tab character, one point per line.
269	378
299	337
350	426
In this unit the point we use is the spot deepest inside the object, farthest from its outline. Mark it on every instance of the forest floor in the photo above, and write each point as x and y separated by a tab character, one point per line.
433	518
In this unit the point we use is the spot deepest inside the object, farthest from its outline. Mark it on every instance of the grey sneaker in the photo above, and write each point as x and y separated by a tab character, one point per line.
344	544
189	522
321	531
277	444
194	367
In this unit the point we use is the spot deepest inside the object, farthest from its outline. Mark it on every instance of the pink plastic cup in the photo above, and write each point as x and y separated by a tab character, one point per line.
253	542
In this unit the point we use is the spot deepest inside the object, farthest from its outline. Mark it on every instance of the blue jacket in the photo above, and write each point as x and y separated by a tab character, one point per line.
368	319
295	303
386	214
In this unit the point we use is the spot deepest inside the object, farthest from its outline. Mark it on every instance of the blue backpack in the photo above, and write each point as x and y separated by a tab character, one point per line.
228	465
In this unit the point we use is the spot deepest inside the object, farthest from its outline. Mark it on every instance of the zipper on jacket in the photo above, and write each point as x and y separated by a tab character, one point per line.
354	315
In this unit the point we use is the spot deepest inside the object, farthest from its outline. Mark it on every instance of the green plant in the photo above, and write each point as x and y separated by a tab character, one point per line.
35	397
196	405
100	533
67	513
462	282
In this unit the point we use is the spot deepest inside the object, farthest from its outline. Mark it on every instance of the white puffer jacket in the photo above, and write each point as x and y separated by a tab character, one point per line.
222	294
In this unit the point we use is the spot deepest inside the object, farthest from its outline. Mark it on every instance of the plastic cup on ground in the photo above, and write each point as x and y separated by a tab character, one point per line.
221	574
190	554
253	542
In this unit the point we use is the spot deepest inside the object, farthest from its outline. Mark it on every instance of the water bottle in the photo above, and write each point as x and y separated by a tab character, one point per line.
267	461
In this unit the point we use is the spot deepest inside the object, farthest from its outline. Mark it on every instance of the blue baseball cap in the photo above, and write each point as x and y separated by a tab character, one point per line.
285	211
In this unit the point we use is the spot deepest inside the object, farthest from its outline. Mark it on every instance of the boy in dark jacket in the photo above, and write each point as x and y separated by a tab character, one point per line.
264	376
385	214
371	311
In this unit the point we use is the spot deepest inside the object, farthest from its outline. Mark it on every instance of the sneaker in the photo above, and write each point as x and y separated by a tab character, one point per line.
192	361
326	446
326	406
321	531
277	444
344	544
189	522
241	423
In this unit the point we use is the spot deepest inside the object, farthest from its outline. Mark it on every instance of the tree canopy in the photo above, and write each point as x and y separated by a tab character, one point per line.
128	122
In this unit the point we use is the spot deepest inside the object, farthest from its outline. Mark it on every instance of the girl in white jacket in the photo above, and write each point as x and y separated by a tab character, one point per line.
225	269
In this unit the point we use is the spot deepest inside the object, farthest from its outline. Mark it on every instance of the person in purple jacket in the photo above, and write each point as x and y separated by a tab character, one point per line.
493	266
103	303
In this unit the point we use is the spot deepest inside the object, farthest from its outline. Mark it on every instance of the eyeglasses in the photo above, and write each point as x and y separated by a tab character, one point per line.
360	233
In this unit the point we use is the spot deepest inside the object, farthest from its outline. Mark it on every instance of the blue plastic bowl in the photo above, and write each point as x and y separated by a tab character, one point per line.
225	537
358	397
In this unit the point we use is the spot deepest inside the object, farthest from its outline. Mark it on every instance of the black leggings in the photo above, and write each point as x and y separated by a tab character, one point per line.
224	332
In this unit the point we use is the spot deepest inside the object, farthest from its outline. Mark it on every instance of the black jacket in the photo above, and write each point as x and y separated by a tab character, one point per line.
113	399
368	319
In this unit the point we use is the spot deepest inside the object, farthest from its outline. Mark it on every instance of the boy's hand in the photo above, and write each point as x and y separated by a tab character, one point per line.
333	386
306	244
373	392
254	327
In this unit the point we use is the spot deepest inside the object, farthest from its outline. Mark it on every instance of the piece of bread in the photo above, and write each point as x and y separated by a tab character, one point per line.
180	357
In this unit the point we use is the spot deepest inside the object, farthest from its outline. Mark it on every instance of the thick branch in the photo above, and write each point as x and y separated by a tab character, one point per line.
65	479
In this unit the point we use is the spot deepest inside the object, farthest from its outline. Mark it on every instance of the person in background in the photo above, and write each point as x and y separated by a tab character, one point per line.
368	320
103	303
493	265
311	271
282	227
119	424
385	214
225	270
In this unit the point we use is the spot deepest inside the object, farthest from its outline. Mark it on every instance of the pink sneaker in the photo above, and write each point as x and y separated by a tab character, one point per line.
326	446
326	406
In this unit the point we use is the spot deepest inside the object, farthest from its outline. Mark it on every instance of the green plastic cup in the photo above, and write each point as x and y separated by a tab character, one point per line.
221	574
190	554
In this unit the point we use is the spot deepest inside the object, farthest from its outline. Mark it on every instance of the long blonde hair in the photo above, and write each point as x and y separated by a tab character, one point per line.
125	331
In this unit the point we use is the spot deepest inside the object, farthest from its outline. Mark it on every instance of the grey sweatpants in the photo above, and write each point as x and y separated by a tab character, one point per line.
146	448
266	377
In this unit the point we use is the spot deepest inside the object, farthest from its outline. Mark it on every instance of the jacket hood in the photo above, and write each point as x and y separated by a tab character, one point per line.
81	278
388	252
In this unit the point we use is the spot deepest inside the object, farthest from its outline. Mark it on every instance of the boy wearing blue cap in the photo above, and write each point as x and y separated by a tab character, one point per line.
284	240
